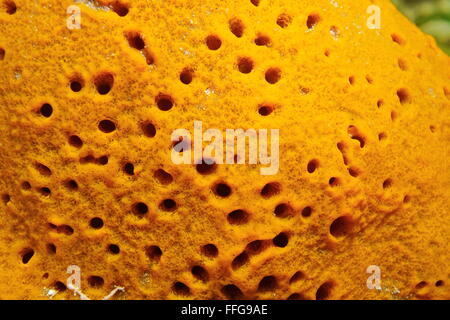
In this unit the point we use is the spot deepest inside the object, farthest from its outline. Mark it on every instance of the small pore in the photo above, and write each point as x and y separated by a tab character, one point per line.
230	291
163	177
120	8
76	83
281	240
107	126
283	210
213	42
387	183
245	65
2	54
186	75
51	248
113	249
96	281
206	167
341	227
403	96
71	184
273	75
140	209
222	190
179	288
398	39
46	110
11	7
96	223
75	141
263	40
313	165
149	129
200	273
240	260
154	253
104	82
270	190
128	168
238	217
164	102
402	64
324	291
265	110
26	255
306	212
168	205
268	283
356	135
284	20
43	169
210	250
135	40
297	277
237	27
312	21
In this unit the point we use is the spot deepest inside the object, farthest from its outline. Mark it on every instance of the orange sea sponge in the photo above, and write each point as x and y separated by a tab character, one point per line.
91	94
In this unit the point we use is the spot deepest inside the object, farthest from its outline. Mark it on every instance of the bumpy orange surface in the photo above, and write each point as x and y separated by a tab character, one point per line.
87	178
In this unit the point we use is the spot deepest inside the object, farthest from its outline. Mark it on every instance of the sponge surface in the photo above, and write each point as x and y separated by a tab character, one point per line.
86	176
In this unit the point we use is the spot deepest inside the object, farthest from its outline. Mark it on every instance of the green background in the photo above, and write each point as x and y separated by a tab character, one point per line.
432	16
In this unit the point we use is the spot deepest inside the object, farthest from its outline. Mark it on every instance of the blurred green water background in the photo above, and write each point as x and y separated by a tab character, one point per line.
432	16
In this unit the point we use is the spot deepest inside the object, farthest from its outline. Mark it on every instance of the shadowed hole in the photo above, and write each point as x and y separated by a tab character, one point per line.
297	296
181	289
164	102
403	96
6	198
65	229
43	169
222	190
245	65
313	165
265	110
273	75
283	210
439	283
334	182
306	212
26	185
281	240
140	209
387	183
324	291
268	283
135	40
168	205
11	7
75	141
238	217
200	273
128	168
208	166
237	27
71	184
341	227
96	281
210	250
114	249
257	246
163	177
270	189
240	260
284	20
398	39
421	285
149	129
103	160
26	255
96	223
402	64
59	286
120	8
262	40
154	253
230	291
356	135
186	75
51	248
106	126
2	54
297	277
104	82
312	21
213	42
46	110
45	191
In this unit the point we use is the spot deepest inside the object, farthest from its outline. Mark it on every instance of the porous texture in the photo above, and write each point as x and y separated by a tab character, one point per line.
364	172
